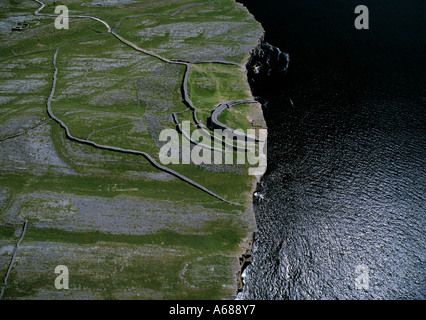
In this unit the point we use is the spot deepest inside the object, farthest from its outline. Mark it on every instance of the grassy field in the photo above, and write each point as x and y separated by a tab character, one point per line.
124	229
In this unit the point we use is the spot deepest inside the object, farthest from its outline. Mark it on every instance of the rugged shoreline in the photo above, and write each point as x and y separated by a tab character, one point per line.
246	247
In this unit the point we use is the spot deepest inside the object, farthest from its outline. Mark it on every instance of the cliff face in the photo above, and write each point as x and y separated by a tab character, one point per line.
124	228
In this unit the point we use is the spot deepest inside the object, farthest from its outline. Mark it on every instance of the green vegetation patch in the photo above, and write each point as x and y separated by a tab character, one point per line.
125	229
211	84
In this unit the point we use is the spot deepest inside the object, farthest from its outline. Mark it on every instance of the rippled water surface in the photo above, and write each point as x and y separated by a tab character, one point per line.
345	188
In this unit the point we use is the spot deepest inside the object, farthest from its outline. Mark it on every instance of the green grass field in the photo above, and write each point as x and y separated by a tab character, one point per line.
125	229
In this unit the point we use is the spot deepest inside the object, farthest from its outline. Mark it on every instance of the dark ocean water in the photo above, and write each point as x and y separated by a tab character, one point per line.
345	187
